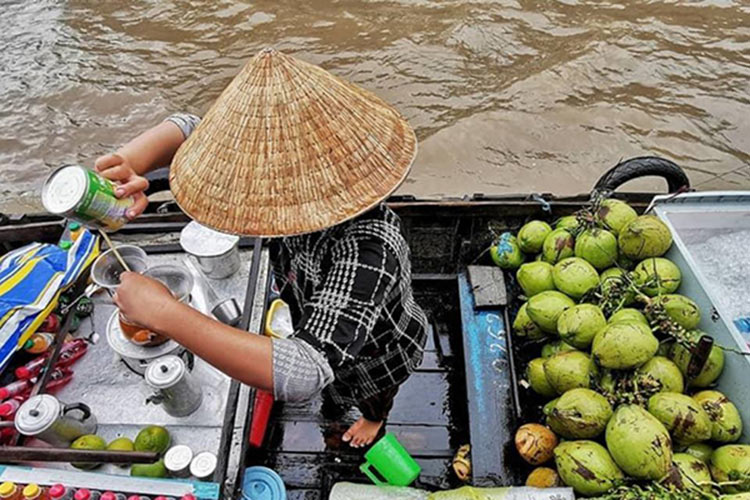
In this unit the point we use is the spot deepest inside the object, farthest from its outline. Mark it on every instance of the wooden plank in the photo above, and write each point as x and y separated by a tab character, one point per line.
488	286
489	395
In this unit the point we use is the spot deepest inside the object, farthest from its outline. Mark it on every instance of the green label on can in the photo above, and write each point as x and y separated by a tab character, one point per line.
99	203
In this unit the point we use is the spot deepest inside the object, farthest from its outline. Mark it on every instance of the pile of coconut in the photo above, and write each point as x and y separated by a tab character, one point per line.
630	411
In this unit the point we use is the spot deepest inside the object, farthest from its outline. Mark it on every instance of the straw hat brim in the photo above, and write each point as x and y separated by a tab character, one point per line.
290	149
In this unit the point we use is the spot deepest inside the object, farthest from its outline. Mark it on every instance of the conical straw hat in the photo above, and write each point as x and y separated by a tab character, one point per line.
287	149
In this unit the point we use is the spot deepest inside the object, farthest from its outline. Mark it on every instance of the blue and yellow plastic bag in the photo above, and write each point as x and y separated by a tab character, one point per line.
31	281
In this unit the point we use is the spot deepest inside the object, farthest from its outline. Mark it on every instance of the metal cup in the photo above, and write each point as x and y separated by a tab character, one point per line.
228	312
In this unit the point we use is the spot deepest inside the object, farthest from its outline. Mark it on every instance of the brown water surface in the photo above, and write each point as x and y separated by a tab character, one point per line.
505	95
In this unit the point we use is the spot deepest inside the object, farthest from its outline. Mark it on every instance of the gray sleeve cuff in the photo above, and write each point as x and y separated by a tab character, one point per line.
185	121
299	371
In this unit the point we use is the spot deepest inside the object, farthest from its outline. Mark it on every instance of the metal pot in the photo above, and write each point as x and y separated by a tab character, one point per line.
217	253
46	418
175	387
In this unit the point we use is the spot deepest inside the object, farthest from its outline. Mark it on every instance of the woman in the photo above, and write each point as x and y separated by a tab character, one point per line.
289	150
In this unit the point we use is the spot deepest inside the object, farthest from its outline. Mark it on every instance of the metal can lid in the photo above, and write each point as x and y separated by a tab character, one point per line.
262	483
203	465
64	189
203	241
165	372
37	414
178	458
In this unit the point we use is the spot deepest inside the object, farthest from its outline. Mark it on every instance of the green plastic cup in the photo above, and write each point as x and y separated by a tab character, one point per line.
392	463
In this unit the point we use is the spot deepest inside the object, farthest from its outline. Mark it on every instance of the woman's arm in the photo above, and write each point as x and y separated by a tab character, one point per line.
243	356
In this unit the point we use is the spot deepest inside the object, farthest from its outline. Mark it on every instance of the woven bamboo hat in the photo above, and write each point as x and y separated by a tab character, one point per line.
287	149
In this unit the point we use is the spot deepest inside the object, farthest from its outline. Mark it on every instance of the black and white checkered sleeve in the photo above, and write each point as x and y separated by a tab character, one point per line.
343	312
185	121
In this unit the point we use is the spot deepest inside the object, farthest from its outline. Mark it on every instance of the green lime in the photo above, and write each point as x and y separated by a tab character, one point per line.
121	444
152	438
149	470
88	442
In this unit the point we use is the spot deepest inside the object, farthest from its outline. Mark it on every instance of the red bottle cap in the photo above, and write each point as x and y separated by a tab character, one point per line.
134	497
5	409
82	494
4	393
23	373
108	495
188	497
56	491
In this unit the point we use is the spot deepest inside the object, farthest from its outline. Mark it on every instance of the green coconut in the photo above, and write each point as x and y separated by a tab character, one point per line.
625	263
691	472
569	370
624	345
639	443
524	327
657	276
628	314
579	414
711	369
587	467
701	451
535	277
732	463
646	236
665	372
726	422
506	253
681	415
679	309
551	348
538	379
607	380
545	308
615	215
549	406
532	235
575	277
598	247
558	245
578	325
614	285
569	223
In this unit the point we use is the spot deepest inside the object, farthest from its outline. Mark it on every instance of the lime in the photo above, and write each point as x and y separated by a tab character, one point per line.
152	438
149	470
88	442
121	444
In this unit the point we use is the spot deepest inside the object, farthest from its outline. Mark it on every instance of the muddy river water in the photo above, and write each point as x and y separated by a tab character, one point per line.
506	96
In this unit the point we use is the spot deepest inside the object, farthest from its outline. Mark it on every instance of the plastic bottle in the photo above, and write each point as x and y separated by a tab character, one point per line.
39	343
15	388
82	494
75	230
33	491
51	324
138	497
111	495
10	491
60	492
9	408
69	354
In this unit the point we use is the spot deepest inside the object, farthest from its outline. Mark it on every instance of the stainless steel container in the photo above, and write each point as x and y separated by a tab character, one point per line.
46	418
217	253
177	461
175	387
203	466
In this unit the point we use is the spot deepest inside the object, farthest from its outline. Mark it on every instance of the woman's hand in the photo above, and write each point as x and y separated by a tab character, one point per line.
144	301
116	167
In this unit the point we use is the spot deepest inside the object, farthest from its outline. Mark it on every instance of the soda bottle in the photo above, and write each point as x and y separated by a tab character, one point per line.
10	491
51	324
9	408
110	495
33	491
60	492
15	388
39	343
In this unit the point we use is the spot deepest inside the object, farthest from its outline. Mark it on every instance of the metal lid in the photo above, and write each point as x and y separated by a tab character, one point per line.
178	458
202	241
126	349
64	189
203	465
165	372
37	414
262	483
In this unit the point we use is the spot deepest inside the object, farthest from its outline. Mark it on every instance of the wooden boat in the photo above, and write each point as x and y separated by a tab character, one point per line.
466	391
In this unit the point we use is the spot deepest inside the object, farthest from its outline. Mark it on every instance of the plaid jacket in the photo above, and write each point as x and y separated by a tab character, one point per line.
350	292
349	289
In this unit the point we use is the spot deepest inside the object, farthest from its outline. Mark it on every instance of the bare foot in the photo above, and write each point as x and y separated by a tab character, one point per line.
362	432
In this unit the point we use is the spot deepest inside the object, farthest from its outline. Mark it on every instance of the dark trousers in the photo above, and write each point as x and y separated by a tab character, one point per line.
375	408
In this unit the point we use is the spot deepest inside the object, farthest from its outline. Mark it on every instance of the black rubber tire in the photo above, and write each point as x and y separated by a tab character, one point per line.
644	166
